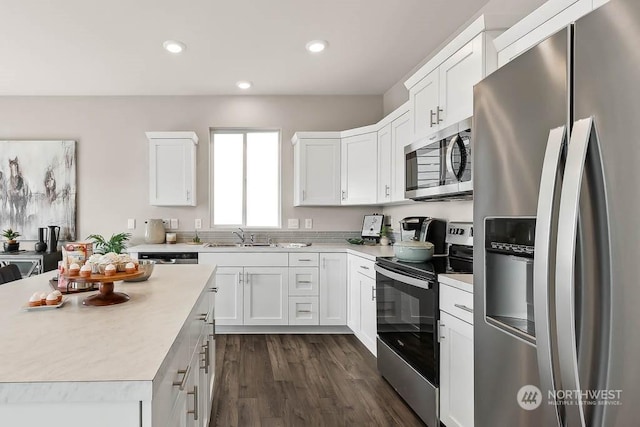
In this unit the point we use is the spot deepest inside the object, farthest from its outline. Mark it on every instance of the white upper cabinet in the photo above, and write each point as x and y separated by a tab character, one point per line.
543	22
384	164
441	92
316	169
172	168
359	174
392	138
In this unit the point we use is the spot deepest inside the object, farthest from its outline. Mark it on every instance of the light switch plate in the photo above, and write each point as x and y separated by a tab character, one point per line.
198	223
293	223
131	224
174	223
308	223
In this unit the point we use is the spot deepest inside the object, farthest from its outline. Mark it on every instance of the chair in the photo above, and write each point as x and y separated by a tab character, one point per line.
9	273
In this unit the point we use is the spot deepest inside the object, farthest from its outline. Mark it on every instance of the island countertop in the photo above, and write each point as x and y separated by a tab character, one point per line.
75	343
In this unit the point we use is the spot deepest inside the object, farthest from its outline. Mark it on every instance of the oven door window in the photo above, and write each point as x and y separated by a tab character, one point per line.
423	167
458	158
406	320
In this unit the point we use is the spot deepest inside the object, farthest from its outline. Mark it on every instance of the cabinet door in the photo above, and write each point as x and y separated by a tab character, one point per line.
385	142
333	289
228	305
353	297
368	327
456	371
172	172
400	137
204	396
424	102
359	169
458	74
266	296
317	172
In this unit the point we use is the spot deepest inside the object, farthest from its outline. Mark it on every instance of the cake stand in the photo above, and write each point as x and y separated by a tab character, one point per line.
105	296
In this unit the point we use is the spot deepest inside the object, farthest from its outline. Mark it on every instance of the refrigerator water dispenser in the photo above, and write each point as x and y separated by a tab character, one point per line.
509	275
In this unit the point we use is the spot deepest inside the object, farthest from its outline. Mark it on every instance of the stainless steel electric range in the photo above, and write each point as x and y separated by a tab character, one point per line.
407	316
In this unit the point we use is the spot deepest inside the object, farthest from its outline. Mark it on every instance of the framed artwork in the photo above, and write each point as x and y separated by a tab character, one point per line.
38	187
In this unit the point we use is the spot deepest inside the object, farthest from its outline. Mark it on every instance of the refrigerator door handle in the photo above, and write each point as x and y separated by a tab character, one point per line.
583	132
541	265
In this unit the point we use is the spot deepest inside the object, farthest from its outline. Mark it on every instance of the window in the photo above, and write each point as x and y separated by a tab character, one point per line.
246	178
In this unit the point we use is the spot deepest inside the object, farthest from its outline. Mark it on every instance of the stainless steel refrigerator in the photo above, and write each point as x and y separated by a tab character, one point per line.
557	226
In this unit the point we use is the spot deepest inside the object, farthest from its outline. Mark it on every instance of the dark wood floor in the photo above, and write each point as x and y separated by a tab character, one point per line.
302	380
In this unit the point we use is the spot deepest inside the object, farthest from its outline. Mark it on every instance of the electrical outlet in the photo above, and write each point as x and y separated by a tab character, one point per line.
308	223
167	223
174	223
131	224
198	224
293	223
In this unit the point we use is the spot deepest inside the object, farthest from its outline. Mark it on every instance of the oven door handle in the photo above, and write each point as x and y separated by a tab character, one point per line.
424	284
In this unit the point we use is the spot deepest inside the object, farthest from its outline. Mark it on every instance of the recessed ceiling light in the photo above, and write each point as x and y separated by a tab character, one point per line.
243	84
174	46
317	46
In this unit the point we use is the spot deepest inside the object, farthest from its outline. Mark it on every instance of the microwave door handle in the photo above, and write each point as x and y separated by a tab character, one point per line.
541	265
456	140
582	137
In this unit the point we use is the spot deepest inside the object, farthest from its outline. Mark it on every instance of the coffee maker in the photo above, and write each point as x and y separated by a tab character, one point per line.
425	229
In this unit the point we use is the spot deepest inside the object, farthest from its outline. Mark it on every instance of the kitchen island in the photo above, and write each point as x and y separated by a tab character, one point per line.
147	362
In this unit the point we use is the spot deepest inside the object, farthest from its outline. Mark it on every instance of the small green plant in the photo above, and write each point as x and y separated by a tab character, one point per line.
116	243
385	230
10	235
196	238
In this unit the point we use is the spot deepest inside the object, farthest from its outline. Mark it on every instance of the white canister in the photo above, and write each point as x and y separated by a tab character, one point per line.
171	238
154	231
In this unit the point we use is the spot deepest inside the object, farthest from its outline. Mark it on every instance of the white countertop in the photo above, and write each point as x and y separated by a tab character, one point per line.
461	281
124	342
370	252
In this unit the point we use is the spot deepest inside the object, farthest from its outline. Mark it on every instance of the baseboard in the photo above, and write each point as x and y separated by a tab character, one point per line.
271	329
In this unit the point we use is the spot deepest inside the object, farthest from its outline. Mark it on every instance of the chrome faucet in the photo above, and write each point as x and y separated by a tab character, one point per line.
239	235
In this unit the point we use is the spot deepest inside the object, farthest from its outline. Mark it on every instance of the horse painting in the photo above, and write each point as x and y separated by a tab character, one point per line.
18	193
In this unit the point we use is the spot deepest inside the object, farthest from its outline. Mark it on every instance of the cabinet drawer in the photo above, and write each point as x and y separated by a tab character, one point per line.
174	370
253	259
303	281
364	266
303	311
456	302
303	260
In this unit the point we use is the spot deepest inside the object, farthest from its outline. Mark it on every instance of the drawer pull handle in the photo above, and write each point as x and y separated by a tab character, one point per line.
214	289
185	374
195	402
304	259
364	267
305	311
463	307
304	281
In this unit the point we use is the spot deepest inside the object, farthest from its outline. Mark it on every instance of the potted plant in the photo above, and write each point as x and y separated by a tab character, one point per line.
11	245
117	243
385	233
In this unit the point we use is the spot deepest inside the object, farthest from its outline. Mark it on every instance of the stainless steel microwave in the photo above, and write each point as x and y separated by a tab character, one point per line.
439	166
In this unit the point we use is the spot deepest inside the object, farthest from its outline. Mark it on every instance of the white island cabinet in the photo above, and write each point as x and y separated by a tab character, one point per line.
144	363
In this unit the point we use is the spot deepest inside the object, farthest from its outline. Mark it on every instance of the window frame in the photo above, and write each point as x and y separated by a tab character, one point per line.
244	132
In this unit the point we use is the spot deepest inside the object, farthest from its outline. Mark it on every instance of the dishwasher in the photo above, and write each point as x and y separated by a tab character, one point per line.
170	257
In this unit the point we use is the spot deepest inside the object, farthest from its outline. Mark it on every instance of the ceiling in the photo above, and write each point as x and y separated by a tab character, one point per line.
89	47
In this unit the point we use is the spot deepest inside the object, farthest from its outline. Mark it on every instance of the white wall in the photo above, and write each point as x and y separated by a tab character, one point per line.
112	157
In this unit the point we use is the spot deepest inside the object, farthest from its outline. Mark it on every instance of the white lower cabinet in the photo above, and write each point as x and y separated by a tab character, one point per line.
362	301
266	296
303	311
229	300
333	289
456	359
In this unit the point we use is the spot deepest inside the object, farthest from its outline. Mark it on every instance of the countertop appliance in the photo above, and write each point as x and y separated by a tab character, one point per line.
439	166
170	257
424	229
407	316
556	174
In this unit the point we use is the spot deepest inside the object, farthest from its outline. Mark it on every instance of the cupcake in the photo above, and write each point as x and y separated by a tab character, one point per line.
52	299
43	298
110	270
35	301
130	267
58	295
74	269
85	271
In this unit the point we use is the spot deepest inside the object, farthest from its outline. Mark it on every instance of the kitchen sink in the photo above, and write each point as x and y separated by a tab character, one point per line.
241	245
